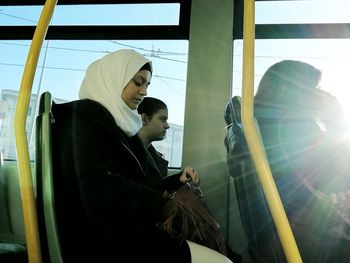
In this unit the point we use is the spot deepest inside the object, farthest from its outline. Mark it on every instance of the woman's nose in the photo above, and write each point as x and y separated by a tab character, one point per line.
143	90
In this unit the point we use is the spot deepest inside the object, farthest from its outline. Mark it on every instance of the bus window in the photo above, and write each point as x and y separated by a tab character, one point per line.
62	65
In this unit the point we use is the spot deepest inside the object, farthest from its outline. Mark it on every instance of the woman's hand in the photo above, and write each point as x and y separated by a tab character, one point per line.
188	173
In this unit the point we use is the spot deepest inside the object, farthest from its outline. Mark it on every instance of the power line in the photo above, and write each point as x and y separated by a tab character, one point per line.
93	51
150	50
81	70
61	48
156	56
170	59
18	17
166	83
154	53
48	67
159	76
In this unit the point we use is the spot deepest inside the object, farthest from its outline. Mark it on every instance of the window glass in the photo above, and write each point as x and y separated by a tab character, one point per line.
118	14
331	56
61	68
299	12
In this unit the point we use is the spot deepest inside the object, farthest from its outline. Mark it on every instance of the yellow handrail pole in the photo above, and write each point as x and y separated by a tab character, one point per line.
25	176
261	163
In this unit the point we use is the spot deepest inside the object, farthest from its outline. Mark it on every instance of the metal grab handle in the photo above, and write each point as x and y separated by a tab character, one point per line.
24	172
254	144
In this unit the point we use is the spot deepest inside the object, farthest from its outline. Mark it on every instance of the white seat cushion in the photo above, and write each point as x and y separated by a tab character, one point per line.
202	254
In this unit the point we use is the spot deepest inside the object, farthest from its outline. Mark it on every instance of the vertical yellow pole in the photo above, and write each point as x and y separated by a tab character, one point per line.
261	163
25	177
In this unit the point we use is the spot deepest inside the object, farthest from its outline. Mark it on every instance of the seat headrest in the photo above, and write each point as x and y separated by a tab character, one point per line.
233	111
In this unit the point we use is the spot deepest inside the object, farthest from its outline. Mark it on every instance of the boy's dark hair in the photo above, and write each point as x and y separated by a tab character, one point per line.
150	106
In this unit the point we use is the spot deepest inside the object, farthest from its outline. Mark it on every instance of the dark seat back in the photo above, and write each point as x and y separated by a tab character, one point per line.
12	245
49	237
263	240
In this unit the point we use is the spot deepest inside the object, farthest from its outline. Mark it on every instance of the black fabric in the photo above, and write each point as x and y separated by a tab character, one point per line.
235	257
161	163
305	161
261	235
309	162
108	201
13	253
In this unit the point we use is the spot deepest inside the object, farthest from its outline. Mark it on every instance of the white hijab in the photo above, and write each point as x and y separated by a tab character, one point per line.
105	80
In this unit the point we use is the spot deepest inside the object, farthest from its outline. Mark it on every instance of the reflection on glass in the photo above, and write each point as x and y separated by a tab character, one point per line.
331	56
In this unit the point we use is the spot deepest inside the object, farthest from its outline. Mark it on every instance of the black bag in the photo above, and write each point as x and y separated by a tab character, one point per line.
186	217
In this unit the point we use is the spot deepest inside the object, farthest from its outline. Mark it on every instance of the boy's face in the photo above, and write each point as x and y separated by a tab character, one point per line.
157	125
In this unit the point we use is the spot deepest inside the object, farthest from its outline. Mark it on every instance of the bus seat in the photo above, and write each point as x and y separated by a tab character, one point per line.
202	254
13	253
263	242
49	238
12	242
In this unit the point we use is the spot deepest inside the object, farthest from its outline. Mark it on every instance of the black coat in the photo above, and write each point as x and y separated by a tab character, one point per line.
108	196
298	149
158	161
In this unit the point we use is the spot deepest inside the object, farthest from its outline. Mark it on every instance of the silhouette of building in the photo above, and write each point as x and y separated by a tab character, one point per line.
8	102
171	146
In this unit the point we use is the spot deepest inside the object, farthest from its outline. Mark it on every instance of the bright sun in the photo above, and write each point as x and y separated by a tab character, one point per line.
335	81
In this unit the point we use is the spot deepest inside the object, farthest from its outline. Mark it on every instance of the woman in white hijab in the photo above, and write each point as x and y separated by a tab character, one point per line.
108	197
107	79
